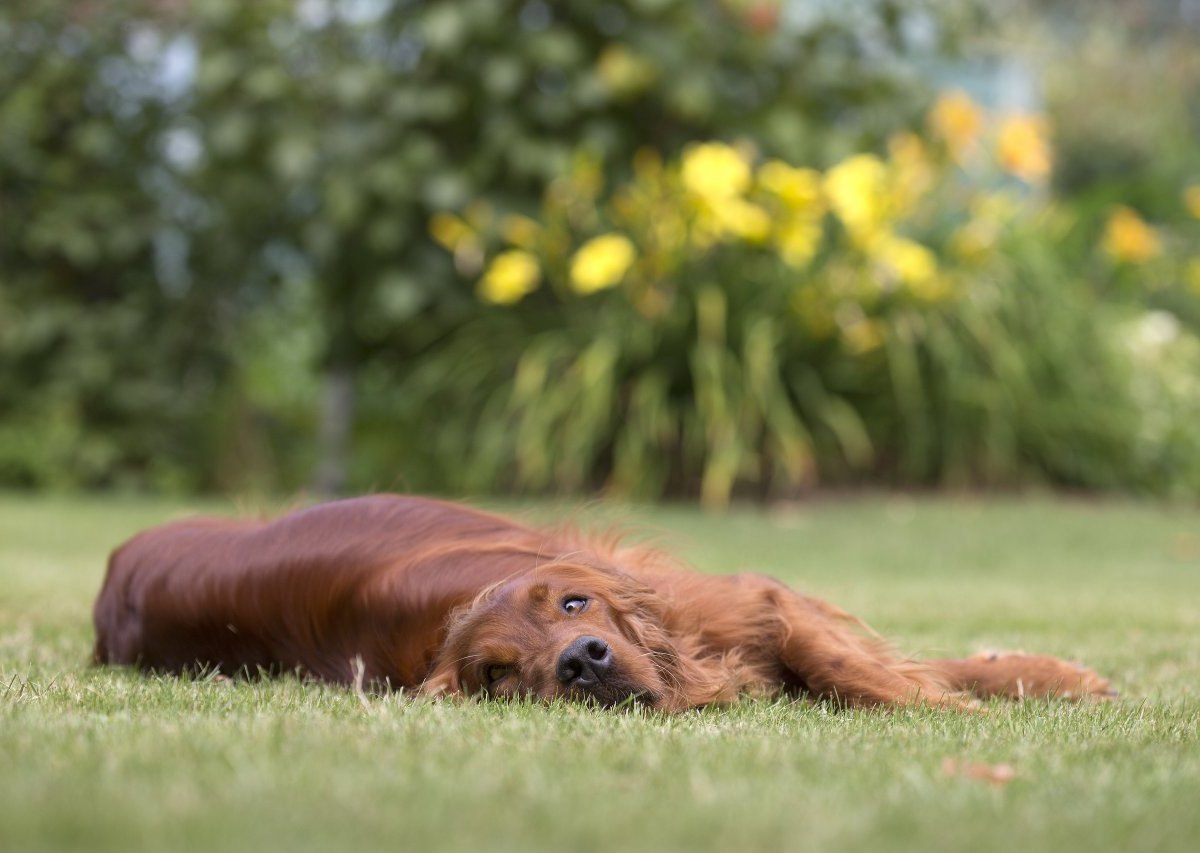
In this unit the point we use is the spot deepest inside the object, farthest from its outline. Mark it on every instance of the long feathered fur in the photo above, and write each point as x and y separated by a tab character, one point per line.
433	596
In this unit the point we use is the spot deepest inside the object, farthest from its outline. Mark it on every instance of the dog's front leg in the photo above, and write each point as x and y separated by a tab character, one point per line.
831	655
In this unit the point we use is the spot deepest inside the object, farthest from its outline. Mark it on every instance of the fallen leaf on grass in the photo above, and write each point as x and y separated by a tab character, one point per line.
997	774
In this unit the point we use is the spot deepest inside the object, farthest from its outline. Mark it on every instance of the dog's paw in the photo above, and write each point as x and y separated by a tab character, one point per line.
1021	676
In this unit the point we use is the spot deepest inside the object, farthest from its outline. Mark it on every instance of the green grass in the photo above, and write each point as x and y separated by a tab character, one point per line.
104	759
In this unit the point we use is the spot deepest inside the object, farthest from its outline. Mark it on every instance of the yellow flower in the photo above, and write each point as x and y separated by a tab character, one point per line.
715	171
510	277
799	189
913	264
798	241
520	230
1191	200
742	219
855	188
1128	239
601	262
1023	148
957	121
448	230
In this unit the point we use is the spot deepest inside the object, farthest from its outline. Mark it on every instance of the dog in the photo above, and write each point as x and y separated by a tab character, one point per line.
441	599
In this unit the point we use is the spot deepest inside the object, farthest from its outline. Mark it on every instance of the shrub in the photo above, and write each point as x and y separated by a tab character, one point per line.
726	322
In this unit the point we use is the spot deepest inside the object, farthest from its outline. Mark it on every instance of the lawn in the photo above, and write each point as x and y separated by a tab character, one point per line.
108	759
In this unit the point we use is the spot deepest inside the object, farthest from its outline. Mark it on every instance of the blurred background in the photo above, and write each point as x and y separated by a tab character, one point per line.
698	249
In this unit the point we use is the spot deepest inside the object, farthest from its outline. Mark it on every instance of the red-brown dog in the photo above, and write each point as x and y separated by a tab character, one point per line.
443	599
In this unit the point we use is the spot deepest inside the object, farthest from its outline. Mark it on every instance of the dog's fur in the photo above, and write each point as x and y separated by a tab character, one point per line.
436	597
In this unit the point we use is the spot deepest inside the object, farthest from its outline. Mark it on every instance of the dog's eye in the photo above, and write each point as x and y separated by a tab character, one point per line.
495	672
574	603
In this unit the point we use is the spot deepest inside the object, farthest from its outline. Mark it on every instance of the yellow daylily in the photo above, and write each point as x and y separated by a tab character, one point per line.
1128	239
799	241
601	263
715	171
1023	148
740	218
511	276
799	189
957	121
856	191
913	264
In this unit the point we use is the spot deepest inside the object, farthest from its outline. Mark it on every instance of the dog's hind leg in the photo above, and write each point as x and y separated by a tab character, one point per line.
1017	676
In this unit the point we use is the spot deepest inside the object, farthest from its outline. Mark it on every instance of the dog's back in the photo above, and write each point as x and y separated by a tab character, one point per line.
371	577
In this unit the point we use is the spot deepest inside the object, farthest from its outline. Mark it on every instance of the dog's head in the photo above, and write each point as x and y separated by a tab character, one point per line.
567	629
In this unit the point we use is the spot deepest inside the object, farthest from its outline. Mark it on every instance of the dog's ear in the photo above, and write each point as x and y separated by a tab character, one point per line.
639	609
443	681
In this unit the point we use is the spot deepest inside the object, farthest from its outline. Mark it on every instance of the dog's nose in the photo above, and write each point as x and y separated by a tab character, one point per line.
584	662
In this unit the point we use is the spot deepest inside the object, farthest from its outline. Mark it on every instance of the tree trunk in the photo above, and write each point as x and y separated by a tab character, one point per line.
333	437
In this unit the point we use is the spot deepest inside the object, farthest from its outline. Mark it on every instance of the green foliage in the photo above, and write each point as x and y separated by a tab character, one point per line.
169	176
329	137
106	378
1024	381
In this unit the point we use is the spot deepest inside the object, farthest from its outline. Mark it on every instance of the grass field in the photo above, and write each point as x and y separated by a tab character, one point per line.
111	760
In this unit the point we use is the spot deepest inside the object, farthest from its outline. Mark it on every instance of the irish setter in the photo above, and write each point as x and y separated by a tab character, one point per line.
439	598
